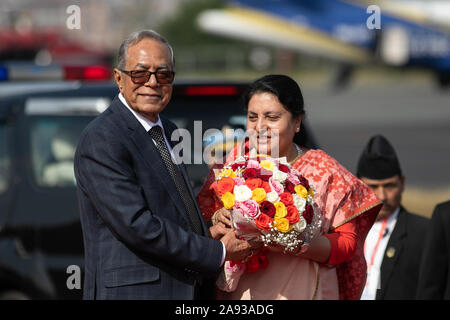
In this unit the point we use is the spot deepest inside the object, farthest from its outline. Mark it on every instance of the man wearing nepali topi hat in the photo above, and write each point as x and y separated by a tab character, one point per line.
393	246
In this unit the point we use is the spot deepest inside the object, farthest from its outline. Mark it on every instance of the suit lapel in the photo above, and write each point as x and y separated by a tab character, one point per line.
184	173
393	251
149	153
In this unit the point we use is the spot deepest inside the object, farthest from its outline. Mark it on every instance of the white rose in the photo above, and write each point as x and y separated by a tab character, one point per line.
272	197
300	225
242	193
283	160
239	159
299	202
279	175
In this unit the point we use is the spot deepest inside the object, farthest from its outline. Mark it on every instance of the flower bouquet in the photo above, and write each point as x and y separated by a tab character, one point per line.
270	202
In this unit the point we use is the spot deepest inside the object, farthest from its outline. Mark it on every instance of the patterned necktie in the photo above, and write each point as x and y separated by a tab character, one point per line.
156	133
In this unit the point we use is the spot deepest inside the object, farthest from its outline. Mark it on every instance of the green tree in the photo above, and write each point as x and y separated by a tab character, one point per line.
181	29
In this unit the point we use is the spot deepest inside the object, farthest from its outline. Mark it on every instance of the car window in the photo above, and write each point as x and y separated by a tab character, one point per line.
207	118
53	143
5	161
55	126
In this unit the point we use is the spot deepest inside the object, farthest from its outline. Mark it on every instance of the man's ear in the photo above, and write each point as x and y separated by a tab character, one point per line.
118	78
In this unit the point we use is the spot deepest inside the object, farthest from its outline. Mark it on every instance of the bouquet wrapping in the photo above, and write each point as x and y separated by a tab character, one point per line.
269	202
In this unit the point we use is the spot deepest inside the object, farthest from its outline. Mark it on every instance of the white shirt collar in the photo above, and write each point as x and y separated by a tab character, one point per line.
392	219
373	276
147	124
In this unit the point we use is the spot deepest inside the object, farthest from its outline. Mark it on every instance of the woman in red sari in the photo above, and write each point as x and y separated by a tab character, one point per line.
332	266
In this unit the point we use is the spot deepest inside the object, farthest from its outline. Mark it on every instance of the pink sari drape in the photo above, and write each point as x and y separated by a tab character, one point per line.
341	197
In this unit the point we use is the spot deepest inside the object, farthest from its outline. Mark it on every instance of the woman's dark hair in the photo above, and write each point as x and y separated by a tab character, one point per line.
284	87
288	93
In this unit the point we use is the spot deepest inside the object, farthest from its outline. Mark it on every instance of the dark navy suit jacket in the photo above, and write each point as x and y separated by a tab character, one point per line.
434	278
401	261
137	236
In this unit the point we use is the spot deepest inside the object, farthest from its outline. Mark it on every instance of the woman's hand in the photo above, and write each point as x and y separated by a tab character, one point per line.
300	251
222	216
318	250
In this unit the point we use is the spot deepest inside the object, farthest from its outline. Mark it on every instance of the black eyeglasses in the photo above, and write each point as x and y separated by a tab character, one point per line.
143	76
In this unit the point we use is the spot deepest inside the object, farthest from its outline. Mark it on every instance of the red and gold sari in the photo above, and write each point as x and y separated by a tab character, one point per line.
342	198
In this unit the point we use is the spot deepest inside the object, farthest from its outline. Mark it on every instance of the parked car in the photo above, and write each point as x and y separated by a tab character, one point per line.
41	243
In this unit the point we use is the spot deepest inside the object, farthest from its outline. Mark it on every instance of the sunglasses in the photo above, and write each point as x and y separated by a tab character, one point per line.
143	76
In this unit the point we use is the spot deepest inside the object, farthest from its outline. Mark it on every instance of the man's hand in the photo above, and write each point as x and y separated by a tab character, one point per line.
223	216
238	250
218	231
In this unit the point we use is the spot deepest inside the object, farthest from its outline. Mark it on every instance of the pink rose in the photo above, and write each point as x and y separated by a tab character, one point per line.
295	172
292	178
253	164
248	208
239	181
276	186
265	174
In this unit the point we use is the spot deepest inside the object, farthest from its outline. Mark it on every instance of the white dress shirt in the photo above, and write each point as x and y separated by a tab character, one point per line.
147	124
374	255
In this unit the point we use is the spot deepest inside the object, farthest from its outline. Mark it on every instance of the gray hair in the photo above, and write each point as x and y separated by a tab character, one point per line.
136	37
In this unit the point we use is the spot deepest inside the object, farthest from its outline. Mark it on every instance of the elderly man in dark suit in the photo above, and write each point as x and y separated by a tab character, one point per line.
434	277
394	244
144	235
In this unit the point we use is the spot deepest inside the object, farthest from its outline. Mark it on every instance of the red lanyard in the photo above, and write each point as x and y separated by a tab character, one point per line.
380	236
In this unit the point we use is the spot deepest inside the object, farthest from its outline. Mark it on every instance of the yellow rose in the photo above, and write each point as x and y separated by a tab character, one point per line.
301	191
282	224
280	210
228	200
259	195
227	173
311	192
267	164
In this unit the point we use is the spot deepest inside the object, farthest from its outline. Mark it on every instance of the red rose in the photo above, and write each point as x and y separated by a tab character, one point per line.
225	185
265	174
263	220
257	262
250	173
289	186
266	186
308	213
304	182
268	208
283	168
287	199
253	183
292	214
235	166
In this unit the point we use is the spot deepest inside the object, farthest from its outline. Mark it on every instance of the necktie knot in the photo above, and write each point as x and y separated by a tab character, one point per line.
156	133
